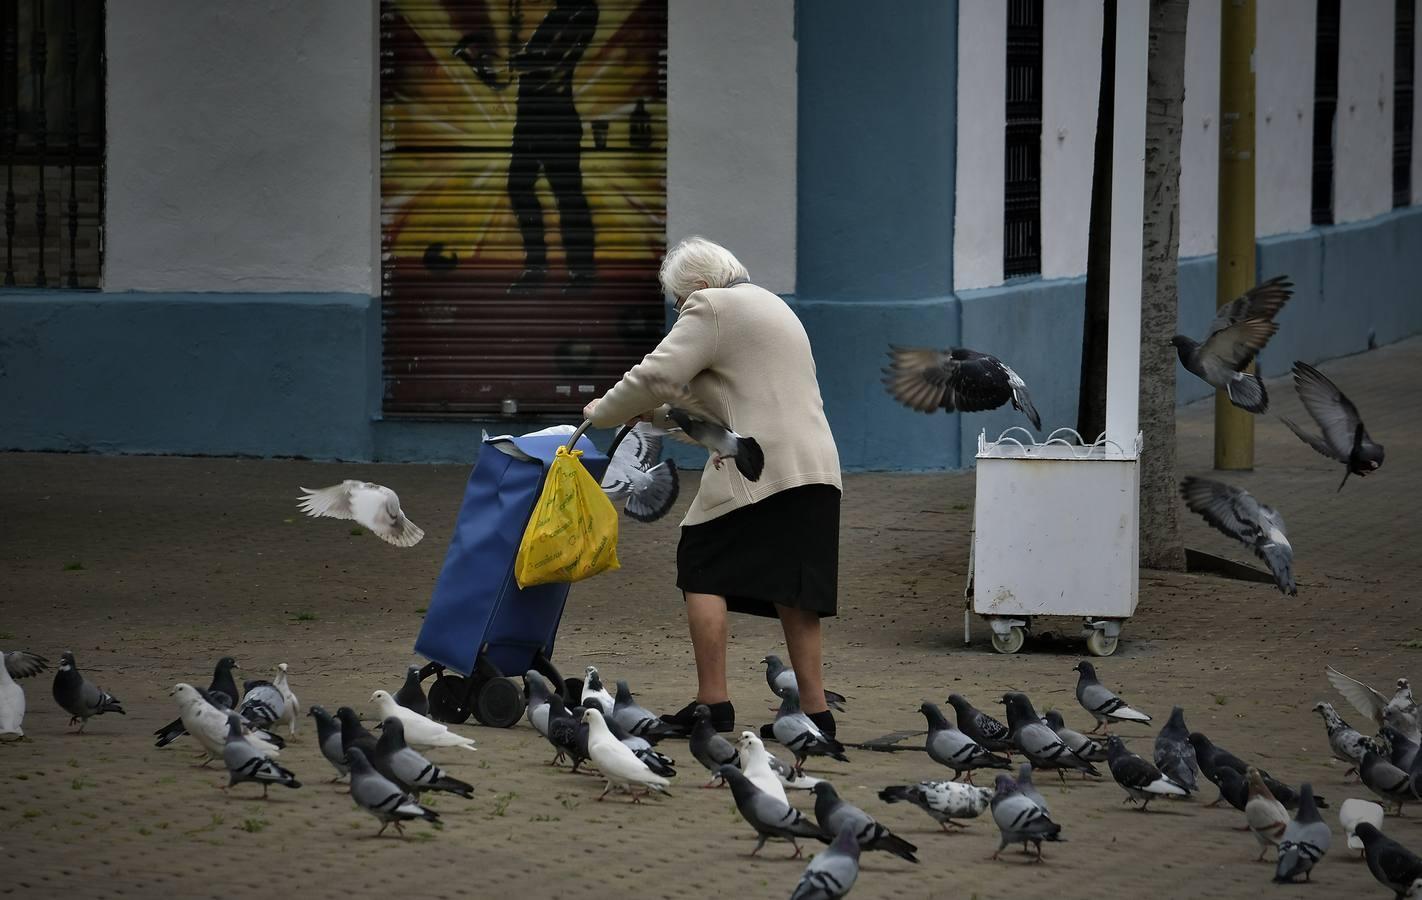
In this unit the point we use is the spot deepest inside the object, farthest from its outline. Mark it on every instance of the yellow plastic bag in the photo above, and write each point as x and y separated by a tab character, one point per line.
573	532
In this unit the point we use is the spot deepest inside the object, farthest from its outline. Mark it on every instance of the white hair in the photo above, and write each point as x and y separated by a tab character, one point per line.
697	263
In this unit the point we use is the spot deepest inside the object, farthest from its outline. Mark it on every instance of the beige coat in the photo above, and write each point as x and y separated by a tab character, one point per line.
747	359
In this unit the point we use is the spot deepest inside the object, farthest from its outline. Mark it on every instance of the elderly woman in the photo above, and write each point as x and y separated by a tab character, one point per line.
768	547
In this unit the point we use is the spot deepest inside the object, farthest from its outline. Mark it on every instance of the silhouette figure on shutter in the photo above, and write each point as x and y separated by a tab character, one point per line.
548	137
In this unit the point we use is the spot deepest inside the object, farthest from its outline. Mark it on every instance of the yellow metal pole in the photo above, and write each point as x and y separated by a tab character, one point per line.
1234	428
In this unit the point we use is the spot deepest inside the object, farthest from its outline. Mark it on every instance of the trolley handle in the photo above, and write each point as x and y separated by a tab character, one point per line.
612	448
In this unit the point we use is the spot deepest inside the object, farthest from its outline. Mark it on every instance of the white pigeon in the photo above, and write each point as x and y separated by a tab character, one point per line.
635	473
1399	712
789	777
755	763
420	732
1352	813
291	712
595	691
208	724
943	800
616	761
372	505
12	705
1265	815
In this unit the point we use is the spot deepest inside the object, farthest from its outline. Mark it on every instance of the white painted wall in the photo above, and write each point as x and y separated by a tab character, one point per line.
1200	136
1071	78
242	146
1362	166
1283	117
982	120
731	147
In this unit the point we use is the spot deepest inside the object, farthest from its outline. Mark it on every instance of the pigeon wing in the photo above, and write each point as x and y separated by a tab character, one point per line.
1263	301
1364	699
334	501
1236	344
23	664
1333	412
919	378
1218	504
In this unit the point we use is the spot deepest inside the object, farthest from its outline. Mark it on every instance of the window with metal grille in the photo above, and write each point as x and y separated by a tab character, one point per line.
1404	34
1325	108
1022	209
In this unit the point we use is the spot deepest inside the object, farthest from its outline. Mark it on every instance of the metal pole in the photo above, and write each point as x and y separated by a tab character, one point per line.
1234	428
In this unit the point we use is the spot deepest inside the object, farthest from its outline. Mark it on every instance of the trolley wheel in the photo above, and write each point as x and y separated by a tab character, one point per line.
1010	642
449	699
1100	644
500	703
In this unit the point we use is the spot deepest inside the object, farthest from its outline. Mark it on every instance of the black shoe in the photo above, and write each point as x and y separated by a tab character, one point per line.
824	721
723	717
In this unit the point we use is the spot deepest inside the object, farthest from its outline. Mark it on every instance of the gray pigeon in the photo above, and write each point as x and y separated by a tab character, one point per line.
1029	788
780	676
981	727
834	815
1173	754
1236	513
1239	331
411	695
246	763
709	748
1214	761
800	735
1398	711
1037	742
943	800
950	747
536	693
1403	749
695	424
634	718
1020	819
1347	743
769	816
1105	707
1083	746
833	871
407	768
381	797
563	727
1140	779
328	737
1344	438
639	478
1393	865
1388	782
262	703
1306	840
354	734
927	379
78	697
23	664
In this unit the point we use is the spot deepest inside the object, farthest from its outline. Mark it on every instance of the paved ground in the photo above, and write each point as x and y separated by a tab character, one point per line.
151	568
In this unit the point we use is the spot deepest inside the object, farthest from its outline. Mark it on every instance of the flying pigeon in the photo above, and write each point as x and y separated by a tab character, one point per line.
637	477
943	800
834	815
1237	514
832	871
637	720
381	797
1385	780
208	724
1306	839
956	379
1343	436
1354	811
23	664
78	697
768	815
755	765
981	727
422	733
594	692
617	763
1239	331
222	681
12	706
407	768
1029	788
1104	706
1347	743
1393	865
372	505
1083	746
411	695
1174	755
696	425
1266	816
1019	819
780	676
1036	741
709	748
536	693
950	747
1140	778
246	763
1399	712
328	737
800	735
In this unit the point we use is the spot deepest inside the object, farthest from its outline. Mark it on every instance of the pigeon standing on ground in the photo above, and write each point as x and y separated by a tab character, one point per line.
834	815
639	478
1212	759
1105	707
23	664
800	735
1306	839
1029	788
755	765
636	719
354	734
948	746
1347	743
292	709
595	693
617	763
536	693
246	763
407	768
328	738
421	732
1036	741
1343	437
1398	711
695	424
1393	865
411	694
1173	754
1403	750
208	725
372	505
1266	816
1355	811
222	681
642	748
563	733
1234	788
709	748
770	816
1020	819
981	727
1083	746
780	676
262	703
12	706
1236	513
78	697
956	379
1140	779
1239	331
833	871
944	801
381	797
1385	780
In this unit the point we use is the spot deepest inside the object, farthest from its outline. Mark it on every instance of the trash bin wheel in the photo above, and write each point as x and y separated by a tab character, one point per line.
1100	644
1010	642
447	698
500	702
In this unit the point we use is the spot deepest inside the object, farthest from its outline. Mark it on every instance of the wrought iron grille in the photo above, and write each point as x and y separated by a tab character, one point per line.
1403	37
1325	108
1022	209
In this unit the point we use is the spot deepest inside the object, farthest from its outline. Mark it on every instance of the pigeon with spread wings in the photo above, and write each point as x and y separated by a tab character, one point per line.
960	379
1398	712
1239	331
372	505
1239	515
638	477
1344	438
692	423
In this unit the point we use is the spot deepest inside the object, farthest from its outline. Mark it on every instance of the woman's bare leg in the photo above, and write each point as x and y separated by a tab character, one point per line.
802	637
706	616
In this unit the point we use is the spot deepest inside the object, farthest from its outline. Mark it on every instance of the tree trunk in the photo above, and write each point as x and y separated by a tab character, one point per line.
1161	546
1091	398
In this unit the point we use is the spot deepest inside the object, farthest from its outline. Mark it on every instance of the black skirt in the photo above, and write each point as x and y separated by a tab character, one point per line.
782	551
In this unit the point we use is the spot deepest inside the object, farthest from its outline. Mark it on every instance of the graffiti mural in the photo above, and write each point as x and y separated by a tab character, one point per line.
523	195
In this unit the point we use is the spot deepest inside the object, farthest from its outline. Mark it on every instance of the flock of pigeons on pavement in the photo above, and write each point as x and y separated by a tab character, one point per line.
623	744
